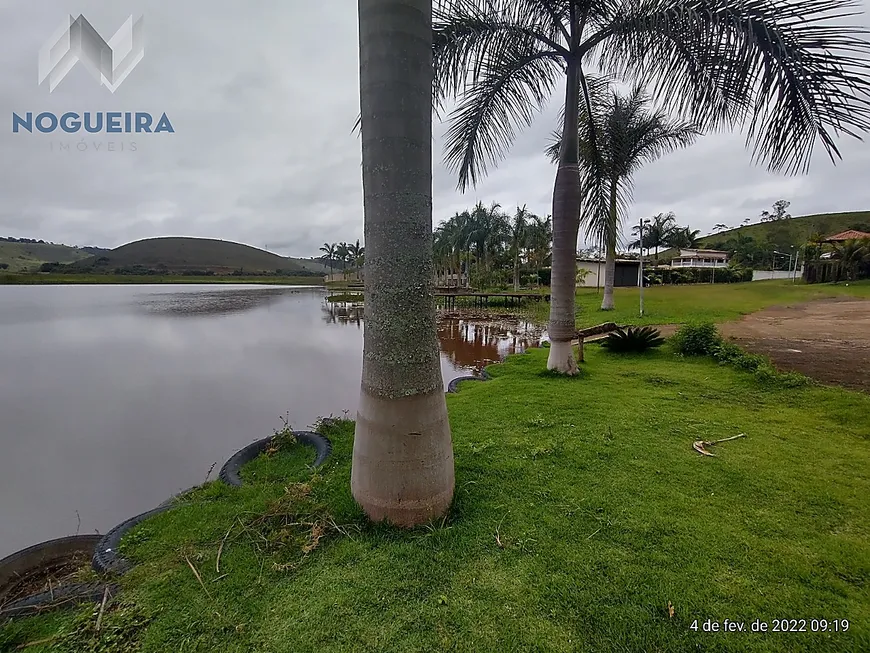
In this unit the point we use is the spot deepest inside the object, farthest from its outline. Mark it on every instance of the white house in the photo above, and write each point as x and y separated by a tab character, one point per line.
700	258
627	272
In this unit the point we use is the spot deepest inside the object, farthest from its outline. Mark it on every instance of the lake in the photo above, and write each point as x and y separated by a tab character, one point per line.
114	397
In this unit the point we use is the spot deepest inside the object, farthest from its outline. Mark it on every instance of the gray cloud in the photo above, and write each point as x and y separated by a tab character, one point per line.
263	96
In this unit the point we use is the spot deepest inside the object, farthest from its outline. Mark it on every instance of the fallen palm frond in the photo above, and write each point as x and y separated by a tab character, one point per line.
699	445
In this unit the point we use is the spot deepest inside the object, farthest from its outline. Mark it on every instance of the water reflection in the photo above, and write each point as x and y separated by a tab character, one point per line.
342	313
114	397
214	302
468	340
475	342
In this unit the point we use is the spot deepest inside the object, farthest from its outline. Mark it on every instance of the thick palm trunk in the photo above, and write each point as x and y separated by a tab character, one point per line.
610	258
402	467
566	223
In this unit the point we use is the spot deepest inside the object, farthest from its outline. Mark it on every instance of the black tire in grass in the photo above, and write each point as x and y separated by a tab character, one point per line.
107	559
63	597
452	387
230	472
30	569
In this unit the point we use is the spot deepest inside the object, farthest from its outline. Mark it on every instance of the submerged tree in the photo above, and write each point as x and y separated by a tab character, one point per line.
402	468
621	136
780	68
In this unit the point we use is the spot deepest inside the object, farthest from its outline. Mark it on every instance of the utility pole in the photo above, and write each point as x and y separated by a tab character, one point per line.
640	270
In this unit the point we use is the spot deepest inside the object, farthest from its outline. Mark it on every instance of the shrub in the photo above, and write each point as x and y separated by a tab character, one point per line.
768	375
727	353
697	339
634	340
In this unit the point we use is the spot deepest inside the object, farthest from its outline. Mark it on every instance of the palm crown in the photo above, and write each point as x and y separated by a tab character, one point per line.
621	136
776	67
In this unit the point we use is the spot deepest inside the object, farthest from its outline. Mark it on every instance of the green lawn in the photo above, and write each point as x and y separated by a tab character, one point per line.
716	302
581	511
62	279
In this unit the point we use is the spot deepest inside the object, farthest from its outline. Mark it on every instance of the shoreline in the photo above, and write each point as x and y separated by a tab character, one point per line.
47	278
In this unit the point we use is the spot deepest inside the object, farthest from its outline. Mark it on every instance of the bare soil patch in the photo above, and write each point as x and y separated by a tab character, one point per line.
828	340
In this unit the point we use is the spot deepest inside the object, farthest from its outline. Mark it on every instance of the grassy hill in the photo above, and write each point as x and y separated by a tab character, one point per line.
190	254
21	257
795	231
782	234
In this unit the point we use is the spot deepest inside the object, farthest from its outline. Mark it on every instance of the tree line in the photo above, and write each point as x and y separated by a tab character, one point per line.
487	247
343	256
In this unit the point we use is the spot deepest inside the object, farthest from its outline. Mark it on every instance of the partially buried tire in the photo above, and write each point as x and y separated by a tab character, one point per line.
106	558
43	576
452	387
230	472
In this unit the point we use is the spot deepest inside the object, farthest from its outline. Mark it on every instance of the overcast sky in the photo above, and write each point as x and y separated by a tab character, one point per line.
263	95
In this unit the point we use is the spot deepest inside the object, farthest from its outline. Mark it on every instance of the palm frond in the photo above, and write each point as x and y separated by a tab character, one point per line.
510	90
783	70
468	33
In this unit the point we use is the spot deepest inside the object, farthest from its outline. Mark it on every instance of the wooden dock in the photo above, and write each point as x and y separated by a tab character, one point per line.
448	299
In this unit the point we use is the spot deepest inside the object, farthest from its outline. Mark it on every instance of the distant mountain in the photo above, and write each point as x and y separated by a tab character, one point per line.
27	254
782	234
196	254
95	251
795	231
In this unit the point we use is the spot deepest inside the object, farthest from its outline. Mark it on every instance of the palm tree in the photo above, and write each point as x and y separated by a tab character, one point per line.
851	254
342	253
355	256
518	235
539	243
683	237
329	254
402	467
656	234
626	135
773	65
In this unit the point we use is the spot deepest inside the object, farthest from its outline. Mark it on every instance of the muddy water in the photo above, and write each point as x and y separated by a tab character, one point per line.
114	397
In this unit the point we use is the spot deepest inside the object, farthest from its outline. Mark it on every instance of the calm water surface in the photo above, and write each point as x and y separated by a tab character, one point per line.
114	397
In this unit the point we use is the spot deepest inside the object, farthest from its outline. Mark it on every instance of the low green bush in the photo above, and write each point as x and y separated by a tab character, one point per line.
704	339
727	353
696	339
767	374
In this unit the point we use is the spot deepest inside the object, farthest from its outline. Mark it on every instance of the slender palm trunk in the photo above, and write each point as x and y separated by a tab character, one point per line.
610	260
517	268
566	224
402	469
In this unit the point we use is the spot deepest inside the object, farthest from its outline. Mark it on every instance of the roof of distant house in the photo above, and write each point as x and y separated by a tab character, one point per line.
851	234
689	253
602	261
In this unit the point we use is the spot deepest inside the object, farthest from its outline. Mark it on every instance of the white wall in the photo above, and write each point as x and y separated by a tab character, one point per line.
591	280
766	275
